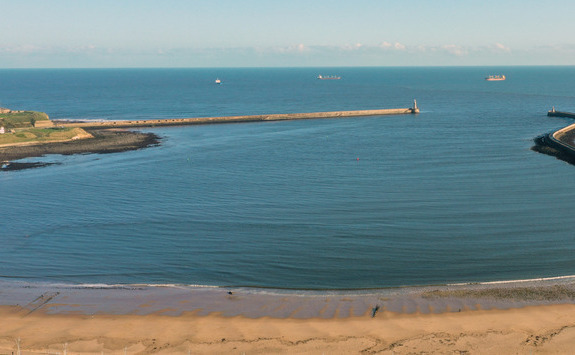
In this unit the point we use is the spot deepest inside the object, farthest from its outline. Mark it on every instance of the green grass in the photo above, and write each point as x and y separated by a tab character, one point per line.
24	119
40	135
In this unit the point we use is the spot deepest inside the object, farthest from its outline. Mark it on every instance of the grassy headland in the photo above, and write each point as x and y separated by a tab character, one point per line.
22	119
32	134
31	127
42	135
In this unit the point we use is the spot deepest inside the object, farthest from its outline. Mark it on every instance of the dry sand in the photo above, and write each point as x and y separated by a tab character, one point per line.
537	329
522	319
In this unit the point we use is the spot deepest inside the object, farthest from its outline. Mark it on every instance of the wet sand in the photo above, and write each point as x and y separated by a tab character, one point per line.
526	317
104	141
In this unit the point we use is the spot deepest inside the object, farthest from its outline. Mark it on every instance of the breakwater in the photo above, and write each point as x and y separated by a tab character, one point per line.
563	139
559	144
232	119
555	113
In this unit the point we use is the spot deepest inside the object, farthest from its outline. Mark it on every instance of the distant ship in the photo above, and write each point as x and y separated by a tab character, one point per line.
495	78
218	81
330	77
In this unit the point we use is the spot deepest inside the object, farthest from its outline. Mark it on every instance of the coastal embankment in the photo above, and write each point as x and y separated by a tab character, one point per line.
236	119
561	143
563	140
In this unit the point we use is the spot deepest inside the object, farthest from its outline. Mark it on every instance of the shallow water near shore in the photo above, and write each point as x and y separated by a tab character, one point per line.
451	195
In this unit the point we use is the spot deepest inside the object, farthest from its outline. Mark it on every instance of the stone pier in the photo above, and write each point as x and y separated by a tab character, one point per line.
232	119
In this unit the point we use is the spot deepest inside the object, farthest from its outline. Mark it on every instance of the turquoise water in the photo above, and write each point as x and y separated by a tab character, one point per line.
453	194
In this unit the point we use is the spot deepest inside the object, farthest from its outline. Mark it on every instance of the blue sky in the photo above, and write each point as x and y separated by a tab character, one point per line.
267	33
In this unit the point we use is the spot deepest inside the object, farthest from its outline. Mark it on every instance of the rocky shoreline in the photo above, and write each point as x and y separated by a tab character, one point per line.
104	141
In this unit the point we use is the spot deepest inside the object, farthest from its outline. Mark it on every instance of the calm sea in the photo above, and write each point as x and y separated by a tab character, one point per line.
451	195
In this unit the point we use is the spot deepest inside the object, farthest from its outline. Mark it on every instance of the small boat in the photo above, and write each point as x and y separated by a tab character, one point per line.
218	81
495	78
329	77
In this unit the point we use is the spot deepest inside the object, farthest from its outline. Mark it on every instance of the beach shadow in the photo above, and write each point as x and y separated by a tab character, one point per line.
13	166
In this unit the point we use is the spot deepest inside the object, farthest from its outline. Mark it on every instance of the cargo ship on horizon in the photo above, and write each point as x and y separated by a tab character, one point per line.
495	78
332	77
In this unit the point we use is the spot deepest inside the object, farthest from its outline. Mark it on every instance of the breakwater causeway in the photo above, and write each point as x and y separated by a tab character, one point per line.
233	119
562	142
554	113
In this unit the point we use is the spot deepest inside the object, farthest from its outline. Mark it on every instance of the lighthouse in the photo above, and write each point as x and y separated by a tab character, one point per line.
415	109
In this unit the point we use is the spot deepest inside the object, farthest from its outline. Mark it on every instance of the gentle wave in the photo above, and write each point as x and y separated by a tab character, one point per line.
279	291
539	279
41	284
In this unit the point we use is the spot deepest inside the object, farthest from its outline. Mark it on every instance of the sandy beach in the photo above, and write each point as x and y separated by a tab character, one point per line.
179	320
540	329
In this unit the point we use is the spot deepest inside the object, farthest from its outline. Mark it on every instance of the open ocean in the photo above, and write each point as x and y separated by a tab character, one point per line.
451	195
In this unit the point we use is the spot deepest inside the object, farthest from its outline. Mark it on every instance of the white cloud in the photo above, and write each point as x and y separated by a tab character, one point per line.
395	46
90	48
455	50
351	47
502	48
31	49
22	49
399	46
385	45
298	48
422	48
352	53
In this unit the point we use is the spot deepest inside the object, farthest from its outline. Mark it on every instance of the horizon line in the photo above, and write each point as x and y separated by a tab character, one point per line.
302	67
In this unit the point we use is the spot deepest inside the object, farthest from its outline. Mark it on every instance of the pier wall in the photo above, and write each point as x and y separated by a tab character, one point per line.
563	132
562	141
554	113
565	138
232	119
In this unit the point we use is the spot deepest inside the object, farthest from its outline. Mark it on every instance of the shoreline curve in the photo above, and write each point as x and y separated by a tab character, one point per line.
103	141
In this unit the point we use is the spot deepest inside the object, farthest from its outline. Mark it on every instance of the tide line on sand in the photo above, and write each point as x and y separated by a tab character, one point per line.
154	327
256	303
